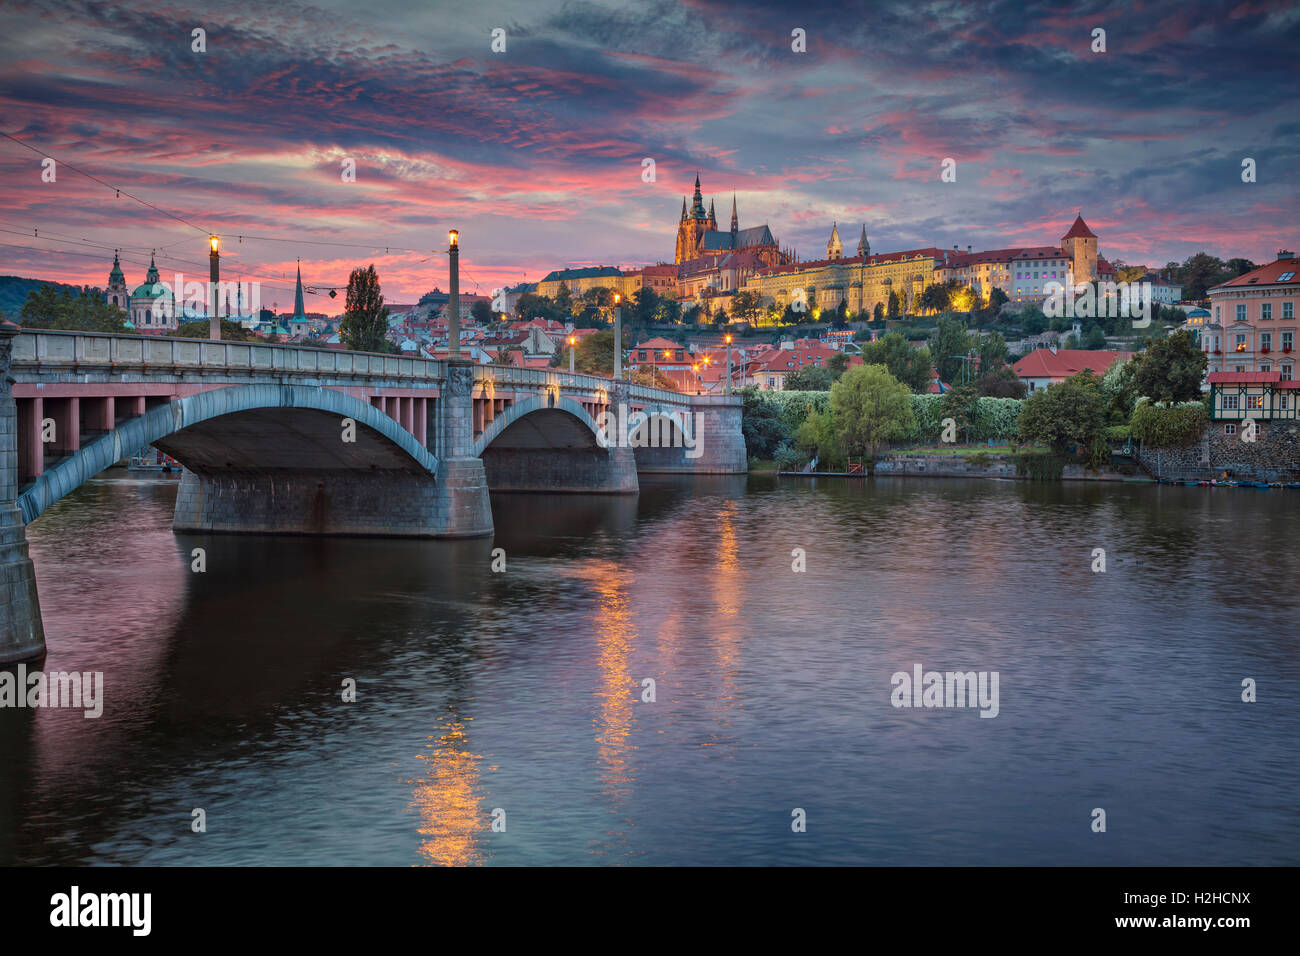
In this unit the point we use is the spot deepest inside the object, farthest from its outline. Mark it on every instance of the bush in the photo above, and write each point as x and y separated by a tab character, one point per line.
789	458
1116	433
1162	426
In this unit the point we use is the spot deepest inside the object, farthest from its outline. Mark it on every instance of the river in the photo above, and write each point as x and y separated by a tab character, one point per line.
517	696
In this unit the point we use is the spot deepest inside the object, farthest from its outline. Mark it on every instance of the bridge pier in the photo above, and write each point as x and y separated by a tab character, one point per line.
22	638
461	489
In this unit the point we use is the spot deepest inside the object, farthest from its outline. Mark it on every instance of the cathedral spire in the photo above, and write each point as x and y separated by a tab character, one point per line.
697	202
735	223
864	247
683	209
298	311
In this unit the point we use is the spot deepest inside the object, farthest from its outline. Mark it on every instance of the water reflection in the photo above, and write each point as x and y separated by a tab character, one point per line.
448	797
522	689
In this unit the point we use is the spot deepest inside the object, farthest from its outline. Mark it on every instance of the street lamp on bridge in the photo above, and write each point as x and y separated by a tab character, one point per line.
573	340
618	338
214	279
453	301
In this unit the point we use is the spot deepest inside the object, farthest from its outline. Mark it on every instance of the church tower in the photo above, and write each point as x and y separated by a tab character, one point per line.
735	223
117	292
1080	247
864	247
834	249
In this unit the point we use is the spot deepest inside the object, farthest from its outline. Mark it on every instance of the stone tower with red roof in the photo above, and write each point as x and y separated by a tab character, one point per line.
1080	245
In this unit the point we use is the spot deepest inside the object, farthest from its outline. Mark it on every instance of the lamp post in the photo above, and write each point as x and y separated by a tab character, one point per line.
453	301
573	340
618	338
696	369
728	341
214	279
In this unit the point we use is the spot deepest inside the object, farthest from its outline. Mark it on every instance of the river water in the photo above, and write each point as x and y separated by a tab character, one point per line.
522	691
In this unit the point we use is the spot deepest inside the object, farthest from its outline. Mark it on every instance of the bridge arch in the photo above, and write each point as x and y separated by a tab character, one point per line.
178	428
550	442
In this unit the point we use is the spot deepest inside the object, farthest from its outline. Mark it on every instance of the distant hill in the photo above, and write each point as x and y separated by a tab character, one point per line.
14	289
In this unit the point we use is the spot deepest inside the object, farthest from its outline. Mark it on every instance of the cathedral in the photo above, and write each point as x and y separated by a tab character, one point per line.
698	235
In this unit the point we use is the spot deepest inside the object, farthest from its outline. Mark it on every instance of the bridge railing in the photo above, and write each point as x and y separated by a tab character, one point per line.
63	351
502	375
660	396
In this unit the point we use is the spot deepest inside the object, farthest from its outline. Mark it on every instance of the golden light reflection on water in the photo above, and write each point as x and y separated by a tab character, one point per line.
448	799
728	597
616	692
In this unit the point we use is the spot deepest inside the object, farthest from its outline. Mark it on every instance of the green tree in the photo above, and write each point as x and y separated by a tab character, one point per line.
868	409
1094	338
1069	413
1032	320
992	351
746	306
51	307
364	327
1170	369
594	354
1001	382
814	378
935	297
837	364
230	331
878	313
564	299
668	312
645	302
948	343
482	312
960	404
908	364
997	299
895	307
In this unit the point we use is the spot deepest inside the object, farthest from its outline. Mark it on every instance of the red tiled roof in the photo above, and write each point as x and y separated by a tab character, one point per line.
1042	363
657	343
1080	230
1265	275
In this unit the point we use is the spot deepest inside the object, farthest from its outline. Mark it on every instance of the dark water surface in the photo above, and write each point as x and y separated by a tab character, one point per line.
522	690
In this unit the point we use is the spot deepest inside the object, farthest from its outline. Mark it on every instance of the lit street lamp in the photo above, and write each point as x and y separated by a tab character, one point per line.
728	341
214	278
453	302
618	338
573	340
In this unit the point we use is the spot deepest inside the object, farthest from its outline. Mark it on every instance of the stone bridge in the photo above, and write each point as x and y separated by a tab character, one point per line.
278	439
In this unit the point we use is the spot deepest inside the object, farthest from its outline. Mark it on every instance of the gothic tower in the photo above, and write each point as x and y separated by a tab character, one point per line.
864	247
834	249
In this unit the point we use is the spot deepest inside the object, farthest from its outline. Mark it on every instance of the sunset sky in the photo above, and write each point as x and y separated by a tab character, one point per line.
535	154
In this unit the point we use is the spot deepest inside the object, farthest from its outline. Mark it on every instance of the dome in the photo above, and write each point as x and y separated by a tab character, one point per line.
152	290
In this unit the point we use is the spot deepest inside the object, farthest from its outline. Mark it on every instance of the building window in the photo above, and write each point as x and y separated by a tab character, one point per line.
1229	403
1230	429
1285	371
1241	313
1288	310
1266	311
1240	341
1287	339
1284	401
1254	403
1265	340
1216	313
